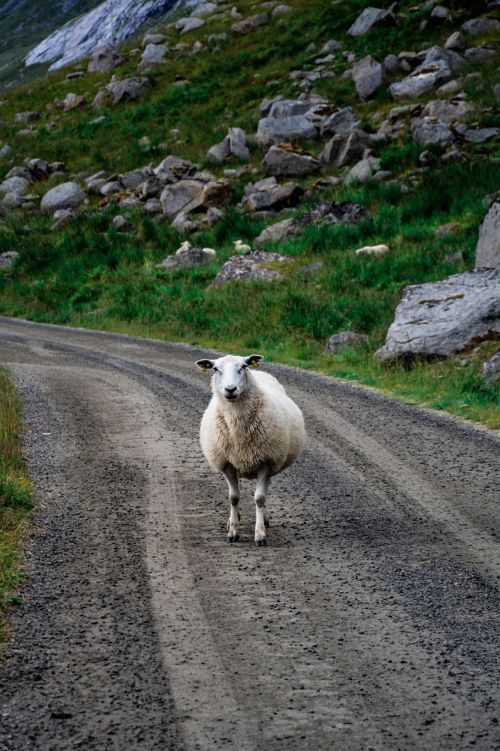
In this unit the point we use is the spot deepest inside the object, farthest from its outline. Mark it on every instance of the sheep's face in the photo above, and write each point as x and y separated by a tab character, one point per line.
229	374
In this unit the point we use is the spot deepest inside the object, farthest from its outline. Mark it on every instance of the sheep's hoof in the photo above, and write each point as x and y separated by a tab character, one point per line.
233	538
260	543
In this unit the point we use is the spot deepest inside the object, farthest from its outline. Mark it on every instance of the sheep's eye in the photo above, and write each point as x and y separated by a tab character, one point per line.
243	367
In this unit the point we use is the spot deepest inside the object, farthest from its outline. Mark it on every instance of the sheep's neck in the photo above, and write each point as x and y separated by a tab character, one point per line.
243	414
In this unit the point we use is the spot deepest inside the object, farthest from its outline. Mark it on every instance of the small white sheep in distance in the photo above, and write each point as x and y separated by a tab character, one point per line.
241	247
250	429
372	250
184	247
209	251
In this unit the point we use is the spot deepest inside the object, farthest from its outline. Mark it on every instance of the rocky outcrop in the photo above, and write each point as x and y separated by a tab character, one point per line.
439	319
488	245
65	196
249	267
111	22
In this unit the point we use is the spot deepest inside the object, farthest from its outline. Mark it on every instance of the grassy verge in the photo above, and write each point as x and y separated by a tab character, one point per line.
15	498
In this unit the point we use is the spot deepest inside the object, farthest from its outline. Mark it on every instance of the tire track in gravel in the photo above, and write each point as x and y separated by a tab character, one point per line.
369	622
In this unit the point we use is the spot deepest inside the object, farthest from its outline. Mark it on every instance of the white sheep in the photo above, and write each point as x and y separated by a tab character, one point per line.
184	247
250	429
241	247
372	250
209	251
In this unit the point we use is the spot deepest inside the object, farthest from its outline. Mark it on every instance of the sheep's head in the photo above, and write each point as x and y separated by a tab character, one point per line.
229	374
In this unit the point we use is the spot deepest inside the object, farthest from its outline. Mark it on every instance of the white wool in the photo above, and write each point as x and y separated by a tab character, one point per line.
241	247
209	251
184	246
372	250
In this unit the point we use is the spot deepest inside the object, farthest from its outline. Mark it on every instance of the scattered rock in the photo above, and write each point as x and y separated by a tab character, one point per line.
8	259
428	130
154	54
75	75
250	266
65	196
448	111
233	145
174	168
72	101
343	149
480	54
363	170
391	63
122	224
126	90
268	195
456	41
185	25
439	319
5	151
188	258
191	195
330	212
284	160
104	59
340	122
279	231
477	135
273	130
371	17
280	10
153	39
440	15
488	244
438	67
246	25
480	26
345	339
26	117
368	76
18	185
491	369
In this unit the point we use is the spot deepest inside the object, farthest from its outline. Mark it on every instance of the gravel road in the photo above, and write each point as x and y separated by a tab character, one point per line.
369	622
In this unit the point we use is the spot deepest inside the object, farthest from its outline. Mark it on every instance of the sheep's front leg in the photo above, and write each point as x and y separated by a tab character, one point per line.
231	476
261	521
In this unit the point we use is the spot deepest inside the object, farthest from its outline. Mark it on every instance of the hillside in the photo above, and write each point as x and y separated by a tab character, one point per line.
401	171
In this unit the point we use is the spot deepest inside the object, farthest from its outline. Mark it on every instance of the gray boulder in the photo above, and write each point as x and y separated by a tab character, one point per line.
438	67
345	339
290	162
288	107
65	196
104	59
285	130
154	54
488	244
455	41
185	25
439	319
339	123
368	76
174	168
279	231
153	39
429	130
39	168
26	117
193	195
189	258
249	267
8	259
491	370
14	184
268	195
127	90
343	149
330	212
363	170
233	145
448	111
477	135
479	26
203	10
371	17
246	25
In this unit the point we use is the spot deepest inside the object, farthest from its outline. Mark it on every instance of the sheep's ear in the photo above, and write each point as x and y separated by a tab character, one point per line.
204	364
253	360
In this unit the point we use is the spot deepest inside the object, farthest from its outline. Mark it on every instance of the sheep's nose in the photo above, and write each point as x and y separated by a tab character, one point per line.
230	389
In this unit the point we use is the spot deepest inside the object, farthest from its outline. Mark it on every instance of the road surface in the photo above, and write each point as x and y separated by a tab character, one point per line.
369	622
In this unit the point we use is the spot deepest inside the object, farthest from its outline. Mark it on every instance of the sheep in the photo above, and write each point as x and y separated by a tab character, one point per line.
250	429
372	250
241	247
184	247
209	251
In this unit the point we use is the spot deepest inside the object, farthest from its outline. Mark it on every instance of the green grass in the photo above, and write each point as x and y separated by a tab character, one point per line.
15	498
89	274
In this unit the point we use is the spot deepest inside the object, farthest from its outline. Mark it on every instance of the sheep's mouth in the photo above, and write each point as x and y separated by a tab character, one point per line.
231	397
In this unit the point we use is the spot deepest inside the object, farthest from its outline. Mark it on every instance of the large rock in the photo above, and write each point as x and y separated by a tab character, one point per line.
279	231
192	195
343	149
154	54
246	25
491	370
480	26
174	168
368	77
65	196
428	130
268	195
339	123
330	212
371	17
448	110
488	245
249	267
439	319
285	130
203	10
288	107
185	25
233	145
128	89
290	162
15	184
104	59
438	67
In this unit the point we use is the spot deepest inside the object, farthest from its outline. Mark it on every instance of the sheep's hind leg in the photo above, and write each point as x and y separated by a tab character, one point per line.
231	476
261	519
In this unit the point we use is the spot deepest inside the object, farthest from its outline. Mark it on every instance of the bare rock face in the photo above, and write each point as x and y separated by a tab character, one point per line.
439	319
290	162
104	59
65	196
488	245
368	76
250	266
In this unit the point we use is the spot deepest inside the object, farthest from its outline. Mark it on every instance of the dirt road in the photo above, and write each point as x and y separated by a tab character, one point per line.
370	621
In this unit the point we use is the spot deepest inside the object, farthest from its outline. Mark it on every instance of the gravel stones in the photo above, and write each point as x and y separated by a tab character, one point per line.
439	319
249	267
488	244
65	196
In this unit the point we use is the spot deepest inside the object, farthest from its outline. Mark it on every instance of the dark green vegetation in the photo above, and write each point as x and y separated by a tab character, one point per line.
15	496
88	274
